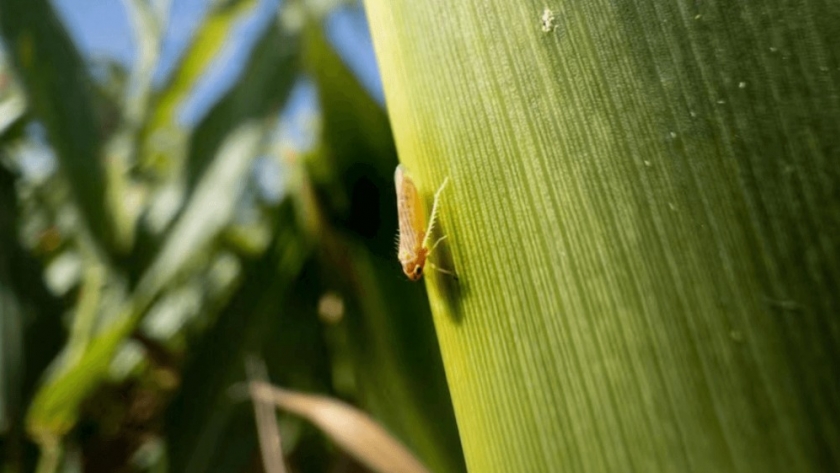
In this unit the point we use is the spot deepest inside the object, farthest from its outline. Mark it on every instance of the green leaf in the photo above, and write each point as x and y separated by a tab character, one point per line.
397	359
162	133
358	149
54	409
30	330
210	208
60	96
217	189
203	418
11	355
642	212
262	90
259	94
11	317
12	100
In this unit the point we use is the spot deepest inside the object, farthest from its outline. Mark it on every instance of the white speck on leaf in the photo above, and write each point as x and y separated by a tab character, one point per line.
548	20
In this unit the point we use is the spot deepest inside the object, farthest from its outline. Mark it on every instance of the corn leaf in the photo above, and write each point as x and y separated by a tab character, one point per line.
262	89
203	418
163	135
54	409
643	213
60	95
31	333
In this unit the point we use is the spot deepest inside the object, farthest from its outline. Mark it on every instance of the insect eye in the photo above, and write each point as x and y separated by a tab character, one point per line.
418	270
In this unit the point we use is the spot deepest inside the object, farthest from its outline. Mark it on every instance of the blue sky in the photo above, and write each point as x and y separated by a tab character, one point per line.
101	28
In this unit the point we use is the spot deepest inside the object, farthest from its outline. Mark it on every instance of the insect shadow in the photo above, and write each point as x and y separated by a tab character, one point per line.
452	288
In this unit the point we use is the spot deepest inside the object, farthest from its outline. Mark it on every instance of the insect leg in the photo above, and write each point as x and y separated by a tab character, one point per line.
433	218
441	270
436	244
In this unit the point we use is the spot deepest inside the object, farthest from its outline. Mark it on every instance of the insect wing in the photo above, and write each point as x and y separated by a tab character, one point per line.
410	213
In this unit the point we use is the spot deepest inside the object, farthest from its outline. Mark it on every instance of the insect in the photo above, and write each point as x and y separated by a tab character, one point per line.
414	237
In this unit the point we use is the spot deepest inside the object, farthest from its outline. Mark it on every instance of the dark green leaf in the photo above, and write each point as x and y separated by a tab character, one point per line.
204	417
60	96
30	330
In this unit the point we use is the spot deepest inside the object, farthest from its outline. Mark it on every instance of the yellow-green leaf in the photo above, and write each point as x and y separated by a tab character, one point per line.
643	213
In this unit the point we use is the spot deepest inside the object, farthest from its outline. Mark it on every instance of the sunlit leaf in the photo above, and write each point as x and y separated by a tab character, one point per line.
164	139
259	94
209	209
122	147
147	26
12	99
642	213
55	409
263	88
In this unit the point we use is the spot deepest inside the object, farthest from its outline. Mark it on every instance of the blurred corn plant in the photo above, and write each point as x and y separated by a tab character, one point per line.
142	258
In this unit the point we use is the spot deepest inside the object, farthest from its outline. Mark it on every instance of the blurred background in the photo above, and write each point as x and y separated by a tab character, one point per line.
185	184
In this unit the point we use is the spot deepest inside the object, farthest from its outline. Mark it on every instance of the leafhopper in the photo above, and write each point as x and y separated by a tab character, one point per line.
413	249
